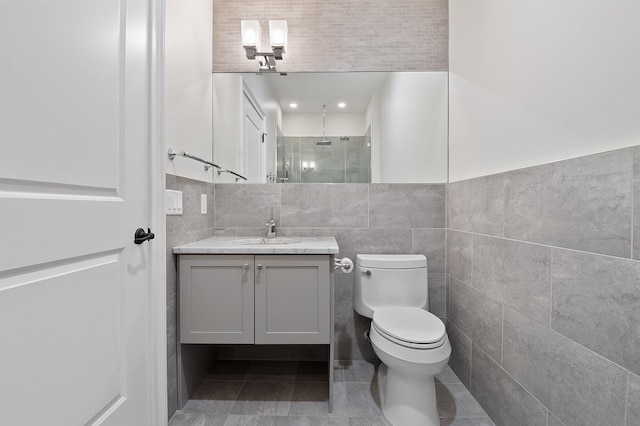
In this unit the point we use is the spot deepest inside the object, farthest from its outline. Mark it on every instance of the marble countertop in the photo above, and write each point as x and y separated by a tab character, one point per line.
255	245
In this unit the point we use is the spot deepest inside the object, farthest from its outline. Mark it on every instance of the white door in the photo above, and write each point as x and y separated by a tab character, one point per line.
254	142
74	186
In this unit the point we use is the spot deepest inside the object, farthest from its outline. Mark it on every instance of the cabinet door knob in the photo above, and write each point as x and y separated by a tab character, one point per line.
259	266
245	266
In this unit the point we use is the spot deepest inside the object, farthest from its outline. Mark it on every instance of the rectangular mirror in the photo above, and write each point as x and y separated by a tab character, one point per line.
359	127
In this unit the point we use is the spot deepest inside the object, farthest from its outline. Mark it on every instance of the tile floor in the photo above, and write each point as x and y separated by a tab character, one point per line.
288	393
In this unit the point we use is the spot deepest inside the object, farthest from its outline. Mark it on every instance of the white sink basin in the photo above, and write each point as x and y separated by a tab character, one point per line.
247	241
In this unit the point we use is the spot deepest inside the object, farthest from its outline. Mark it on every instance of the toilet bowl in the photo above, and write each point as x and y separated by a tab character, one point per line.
406	376
412	343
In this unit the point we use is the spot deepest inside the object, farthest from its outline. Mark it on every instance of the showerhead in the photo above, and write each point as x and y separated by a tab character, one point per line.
324	140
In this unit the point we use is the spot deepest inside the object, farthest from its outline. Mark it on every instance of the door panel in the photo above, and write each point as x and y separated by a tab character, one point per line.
61	62
74	185
253	146
42	319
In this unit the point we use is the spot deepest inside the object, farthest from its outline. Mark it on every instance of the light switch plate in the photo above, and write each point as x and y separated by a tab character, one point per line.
174	202
203	203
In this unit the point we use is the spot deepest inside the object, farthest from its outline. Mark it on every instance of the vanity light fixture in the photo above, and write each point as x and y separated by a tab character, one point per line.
251	38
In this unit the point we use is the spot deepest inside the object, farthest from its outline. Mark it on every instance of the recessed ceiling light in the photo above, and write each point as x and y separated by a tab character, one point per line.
342	105
293	105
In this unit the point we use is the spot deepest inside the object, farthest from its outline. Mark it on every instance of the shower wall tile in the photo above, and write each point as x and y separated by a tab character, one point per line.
504	400
431	243
477	205
350	343
460	360
406	206
252	232
172	384
338	210
225	232
172	324
437	294
324	205
247	205
583	203
191	220
596	301
371	241
301	232
636	219
633	400
570	324
188	227
554	421
477	316
343	294
460	255
636	162
578	386
517	274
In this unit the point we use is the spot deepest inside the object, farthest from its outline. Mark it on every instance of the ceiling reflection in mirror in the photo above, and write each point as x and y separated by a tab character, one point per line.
360	127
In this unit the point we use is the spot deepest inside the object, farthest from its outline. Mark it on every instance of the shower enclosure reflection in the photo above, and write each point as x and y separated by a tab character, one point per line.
343	159
390	127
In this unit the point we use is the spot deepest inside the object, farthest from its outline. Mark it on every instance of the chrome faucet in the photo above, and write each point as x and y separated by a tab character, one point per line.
271	226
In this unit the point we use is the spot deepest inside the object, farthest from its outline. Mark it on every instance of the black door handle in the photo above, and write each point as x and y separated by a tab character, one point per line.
140	236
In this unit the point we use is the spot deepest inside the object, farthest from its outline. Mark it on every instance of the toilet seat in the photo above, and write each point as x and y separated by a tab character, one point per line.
410	327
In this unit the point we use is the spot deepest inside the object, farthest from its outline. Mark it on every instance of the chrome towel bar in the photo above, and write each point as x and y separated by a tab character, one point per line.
238	177
207	164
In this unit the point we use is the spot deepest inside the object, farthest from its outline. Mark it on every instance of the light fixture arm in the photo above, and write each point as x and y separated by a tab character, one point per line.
269	63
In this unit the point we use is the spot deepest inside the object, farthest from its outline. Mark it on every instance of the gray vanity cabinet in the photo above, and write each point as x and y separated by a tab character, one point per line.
261	299
216	298
292	299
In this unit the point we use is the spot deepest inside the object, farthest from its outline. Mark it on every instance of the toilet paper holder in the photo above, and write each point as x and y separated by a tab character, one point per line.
345	265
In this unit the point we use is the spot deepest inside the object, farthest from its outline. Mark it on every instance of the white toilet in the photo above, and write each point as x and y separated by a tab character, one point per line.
411	342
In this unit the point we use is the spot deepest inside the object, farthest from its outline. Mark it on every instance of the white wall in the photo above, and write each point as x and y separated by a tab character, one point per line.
188	85
414	128
228	124
310	124
533	82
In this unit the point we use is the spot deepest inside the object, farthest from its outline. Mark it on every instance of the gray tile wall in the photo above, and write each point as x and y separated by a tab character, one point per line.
364	218
544	284
338	35
190	226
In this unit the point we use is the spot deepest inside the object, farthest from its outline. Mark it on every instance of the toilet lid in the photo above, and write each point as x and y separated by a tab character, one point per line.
413	326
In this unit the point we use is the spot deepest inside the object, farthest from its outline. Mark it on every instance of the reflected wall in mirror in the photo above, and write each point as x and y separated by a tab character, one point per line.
388	127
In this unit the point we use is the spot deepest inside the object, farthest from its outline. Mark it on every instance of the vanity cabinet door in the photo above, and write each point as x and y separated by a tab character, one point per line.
292	299
216	298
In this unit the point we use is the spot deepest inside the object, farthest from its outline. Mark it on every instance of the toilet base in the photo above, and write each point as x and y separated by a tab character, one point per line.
407	400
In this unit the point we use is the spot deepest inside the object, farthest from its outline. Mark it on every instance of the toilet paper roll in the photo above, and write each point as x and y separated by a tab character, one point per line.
345	264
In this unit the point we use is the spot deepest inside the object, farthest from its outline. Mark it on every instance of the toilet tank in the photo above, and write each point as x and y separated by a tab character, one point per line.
390	280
